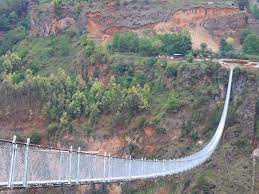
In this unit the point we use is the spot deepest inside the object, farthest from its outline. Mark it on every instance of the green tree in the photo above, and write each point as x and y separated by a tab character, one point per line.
243	36
78	104
9	62
64	120
125	42
251	44
179	43
204	49
12	12
57	3
89	46
189	57
11	38
173	103
255	11
225	47
35	138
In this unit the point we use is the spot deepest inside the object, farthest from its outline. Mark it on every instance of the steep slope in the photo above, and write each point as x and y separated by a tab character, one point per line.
213	21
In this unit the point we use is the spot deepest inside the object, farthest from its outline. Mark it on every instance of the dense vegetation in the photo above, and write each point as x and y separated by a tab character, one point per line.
14	22
250	46
84	89
154	44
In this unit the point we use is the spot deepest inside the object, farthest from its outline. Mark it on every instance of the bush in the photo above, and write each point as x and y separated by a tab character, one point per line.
35	138
243	36
255	11
11	38
187	129
225	47
251	44
161	131
171	70
194	135
142	122
11	12
173	103
125	42
52	129
121	69
140	79
189	57
150	62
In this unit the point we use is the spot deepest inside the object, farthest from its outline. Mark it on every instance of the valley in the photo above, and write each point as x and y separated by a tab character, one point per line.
88	74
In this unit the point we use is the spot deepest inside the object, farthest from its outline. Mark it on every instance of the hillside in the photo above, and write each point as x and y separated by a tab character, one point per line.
140	16
87	73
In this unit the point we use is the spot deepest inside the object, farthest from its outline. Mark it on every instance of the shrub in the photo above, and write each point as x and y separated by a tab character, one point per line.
156	120
171	70
150	62
187	129
52	129
35	138
255	11
121	69
202	183
11	38
173	103
142	122
225	47
140	79
189	57
125	42
243	36
194	135
251	44
161	131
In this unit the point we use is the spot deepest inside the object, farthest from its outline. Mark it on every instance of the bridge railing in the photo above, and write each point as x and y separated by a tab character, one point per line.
23	165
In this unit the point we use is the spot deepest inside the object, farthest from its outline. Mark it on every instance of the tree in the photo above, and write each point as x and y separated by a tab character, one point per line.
251	44
243	36
173	103
10	62
189	57
204	49
225	47
89	46
35	138
125	42
64	120
11	12
176	43
11	38
255	11
57	3
230	41
78	104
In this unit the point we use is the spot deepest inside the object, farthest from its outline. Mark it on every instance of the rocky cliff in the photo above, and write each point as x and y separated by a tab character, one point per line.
211	22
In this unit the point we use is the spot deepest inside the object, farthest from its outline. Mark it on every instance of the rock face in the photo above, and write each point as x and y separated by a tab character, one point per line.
223	26
246	113
205	23
50	20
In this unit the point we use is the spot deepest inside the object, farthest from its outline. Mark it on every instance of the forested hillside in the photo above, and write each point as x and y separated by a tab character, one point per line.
137	78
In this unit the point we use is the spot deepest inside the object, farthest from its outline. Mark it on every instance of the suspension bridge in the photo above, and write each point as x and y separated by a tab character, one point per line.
25	165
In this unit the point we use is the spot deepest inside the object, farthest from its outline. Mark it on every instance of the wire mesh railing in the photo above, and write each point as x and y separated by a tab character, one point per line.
24	165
